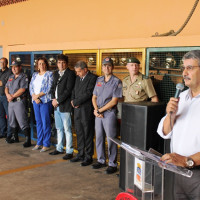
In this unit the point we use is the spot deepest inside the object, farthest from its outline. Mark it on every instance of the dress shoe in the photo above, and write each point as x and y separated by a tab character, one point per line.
36	147
86	162
98	165
44	149
27	134
111	170
68	156
56	152
12	140
76	159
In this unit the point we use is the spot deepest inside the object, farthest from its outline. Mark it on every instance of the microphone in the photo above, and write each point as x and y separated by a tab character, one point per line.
179	89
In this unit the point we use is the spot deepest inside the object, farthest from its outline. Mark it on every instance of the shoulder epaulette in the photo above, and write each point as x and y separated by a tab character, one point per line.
144	77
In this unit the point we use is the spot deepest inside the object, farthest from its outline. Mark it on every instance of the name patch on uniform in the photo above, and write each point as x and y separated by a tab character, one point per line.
99	84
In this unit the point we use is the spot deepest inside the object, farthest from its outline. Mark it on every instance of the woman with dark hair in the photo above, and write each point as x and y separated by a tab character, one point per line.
40	91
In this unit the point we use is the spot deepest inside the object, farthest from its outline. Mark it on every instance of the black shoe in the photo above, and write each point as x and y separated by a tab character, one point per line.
68	156
98	165
55	152
86	162
76	159
12	140
27	134
111	170
27	144
8	139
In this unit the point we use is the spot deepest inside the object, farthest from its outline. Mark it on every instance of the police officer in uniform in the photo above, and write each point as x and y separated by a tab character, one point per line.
107	90
136	86
16	93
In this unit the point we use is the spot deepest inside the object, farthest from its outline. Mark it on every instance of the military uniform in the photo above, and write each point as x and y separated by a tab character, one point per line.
140	90
16	108
105	91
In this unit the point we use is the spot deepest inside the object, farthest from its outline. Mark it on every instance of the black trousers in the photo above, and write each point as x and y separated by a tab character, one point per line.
187	188
85	134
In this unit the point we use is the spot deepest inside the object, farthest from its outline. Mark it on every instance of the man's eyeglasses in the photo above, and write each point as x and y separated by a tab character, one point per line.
188	68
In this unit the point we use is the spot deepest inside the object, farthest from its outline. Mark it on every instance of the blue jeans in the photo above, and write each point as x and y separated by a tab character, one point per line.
64	127
4	123
43	122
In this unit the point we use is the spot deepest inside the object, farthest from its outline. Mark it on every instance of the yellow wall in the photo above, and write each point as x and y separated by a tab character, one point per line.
93	24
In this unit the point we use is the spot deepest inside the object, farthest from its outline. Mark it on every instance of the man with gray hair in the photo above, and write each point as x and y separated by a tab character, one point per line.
181	124
81	100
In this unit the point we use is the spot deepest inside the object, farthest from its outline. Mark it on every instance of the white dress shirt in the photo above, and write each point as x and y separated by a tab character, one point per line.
37	84
61	73
185	136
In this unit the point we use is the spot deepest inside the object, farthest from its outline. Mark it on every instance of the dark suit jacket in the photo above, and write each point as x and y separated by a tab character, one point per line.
82	97
64	91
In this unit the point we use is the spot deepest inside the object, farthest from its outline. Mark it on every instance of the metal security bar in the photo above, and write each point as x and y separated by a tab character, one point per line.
91	57
163	66
119	57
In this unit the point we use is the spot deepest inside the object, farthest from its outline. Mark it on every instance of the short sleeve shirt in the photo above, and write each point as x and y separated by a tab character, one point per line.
140	90
105	91
15	84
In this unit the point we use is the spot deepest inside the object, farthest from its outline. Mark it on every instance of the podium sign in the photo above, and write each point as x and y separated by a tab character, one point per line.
139	173
145	172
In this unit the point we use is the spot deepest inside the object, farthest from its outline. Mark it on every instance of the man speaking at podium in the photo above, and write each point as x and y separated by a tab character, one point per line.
182	125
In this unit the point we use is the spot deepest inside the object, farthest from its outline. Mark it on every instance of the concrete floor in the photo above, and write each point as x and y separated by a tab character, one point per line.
31	175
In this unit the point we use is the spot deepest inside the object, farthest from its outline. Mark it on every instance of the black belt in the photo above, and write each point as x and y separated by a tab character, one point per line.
195	167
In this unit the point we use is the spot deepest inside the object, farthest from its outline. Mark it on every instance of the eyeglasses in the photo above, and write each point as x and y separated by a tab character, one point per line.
188	68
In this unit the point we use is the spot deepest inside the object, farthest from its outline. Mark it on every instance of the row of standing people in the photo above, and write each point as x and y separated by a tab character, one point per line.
180	123
94	101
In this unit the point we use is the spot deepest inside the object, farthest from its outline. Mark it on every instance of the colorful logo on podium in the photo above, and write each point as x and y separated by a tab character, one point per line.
138	175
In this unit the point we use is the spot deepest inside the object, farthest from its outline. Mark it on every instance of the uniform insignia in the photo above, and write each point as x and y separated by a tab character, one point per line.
99	84
144	77
26	79
10	79
106	59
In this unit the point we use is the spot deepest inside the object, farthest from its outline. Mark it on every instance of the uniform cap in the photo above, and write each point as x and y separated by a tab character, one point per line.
107	60
133	60
16	63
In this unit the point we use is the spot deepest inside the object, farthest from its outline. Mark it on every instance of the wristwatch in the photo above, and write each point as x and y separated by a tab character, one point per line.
189	163
98	112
